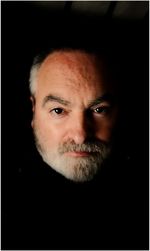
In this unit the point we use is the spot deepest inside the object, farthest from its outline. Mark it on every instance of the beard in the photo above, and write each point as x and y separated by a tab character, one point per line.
77	169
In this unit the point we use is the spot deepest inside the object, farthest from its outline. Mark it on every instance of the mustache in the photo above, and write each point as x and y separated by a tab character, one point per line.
95	146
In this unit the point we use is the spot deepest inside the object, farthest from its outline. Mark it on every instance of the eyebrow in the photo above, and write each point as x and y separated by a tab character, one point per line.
104	98
52	98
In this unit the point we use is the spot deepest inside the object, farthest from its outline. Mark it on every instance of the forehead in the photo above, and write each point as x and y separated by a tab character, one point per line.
72	69
71	59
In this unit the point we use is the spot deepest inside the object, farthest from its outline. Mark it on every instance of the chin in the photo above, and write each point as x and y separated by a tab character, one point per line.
77	169
81	170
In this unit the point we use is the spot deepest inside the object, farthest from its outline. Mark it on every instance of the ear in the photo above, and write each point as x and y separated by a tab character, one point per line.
33	108
33	103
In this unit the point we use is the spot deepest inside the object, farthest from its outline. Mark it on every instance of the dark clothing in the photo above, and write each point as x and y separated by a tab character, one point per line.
43	210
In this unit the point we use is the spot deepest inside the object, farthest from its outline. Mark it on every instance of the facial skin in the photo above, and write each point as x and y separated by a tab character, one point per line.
74	117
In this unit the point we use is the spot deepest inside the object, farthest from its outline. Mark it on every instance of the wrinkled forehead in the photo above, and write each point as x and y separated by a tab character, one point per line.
76	68
72	57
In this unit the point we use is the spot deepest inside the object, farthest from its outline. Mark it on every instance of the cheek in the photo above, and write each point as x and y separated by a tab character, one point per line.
104	129
48	132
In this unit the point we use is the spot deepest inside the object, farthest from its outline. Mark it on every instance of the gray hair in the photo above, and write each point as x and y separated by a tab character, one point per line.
38	60
33	78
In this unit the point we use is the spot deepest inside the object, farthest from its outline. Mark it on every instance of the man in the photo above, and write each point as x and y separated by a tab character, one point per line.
85	194
74	111
77	193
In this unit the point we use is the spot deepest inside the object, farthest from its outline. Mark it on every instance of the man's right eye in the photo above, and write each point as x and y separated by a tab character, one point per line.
57	111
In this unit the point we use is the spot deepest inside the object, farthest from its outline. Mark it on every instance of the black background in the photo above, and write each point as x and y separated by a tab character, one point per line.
26	30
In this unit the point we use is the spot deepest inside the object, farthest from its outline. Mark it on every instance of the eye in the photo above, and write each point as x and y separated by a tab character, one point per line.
102	110
57	111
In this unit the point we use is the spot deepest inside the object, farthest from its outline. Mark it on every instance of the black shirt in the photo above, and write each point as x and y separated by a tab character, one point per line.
44	210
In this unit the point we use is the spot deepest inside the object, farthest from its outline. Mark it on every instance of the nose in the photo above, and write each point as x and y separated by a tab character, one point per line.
80	129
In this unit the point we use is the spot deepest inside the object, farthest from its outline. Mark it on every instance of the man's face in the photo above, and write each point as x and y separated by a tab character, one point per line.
74	116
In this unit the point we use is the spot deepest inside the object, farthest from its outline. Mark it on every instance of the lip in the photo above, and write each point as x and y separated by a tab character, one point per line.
78	154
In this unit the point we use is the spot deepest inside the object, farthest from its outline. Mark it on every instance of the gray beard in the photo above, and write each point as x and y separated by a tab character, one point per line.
79	169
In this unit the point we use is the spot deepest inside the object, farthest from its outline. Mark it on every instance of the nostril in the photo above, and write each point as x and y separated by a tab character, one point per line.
82	134
82	127
79	137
